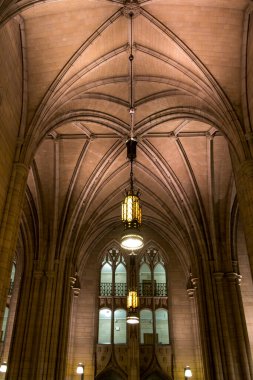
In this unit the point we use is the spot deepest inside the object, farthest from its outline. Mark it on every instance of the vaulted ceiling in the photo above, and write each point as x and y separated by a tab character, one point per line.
187	95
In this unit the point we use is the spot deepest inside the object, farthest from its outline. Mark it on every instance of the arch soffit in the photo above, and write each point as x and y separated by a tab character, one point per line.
174	115
210	81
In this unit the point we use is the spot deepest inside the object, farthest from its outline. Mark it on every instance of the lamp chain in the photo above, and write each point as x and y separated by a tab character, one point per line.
132	177
131	58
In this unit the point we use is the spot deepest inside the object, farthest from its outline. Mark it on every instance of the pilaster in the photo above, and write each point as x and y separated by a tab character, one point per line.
10	227
223	332
244	186
192	289
40	339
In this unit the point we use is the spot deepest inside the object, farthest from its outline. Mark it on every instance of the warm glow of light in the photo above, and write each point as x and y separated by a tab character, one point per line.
132	320
131	241
187	372
132	300
3	367
131	209
80	369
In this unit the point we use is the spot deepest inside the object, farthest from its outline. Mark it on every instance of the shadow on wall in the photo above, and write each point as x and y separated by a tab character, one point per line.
155	376
110	375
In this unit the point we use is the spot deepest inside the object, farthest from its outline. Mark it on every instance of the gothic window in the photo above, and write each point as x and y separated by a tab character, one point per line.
113	276
106	280
4	324
152	275
145	280
146	326
154	326
120	284
162	326
160	280
104	327
13	272
113	285
120	326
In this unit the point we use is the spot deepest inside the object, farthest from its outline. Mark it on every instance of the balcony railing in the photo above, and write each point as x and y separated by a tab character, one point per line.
11	286
120	289
146	289
106	289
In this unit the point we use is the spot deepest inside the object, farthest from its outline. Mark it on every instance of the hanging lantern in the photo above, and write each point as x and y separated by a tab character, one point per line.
132	307
131	209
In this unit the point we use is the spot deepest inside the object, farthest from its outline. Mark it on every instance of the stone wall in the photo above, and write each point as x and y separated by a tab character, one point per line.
10	101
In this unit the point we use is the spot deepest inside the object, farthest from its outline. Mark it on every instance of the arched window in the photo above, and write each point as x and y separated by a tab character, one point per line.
120	335
113	285
120	280
154	327
4	325
106	280
160	280
113	275
162	326
145	280
146	326
104	327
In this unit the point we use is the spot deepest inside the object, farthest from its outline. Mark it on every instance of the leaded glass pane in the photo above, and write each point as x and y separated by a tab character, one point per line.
120	326
146	326
104	327
162	327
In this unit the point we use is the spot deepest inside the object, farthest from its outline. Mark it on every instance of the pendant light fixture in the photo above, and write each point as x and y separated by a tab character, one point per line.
132	298
131	208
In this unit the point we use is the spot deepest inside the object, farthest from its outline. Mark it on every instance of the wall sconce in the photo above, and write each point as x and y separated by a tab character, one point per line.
80	370
3	367
187	372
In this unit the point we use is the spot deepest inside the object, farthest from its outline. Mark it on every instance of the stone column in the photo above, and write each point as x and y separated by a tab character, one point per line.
222	322
225	343
10	224
244	186
239	341
39	346
191	291
209	322
133	353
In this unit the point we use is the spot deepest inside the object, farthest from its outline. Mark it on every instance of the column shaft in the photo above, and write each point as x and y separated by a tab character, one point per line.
10	227
244	186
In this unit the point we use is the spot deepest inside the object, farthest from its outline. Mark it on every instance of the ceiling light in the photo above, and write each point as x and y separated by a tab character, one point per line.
3	367
80	369
187	372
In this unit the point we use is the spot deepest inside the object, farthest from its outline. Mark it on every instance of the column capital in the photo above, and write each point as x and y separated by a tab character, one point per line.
38	274
234	277
21	167
50	274
72	281
218	276
192	285
75	284
191	292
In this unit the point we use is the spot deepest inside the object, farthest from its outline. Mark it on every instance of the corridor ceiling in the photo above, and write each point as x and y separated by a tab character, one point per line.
187	92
